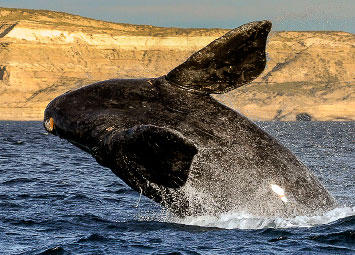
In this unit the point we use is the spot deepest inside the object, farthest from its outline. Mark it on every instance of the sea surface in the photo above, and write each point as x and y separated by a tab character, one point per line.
55	199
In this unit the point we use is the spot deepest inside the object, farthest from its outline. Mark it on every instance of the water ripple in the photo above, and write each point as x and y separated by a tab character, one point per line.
54	199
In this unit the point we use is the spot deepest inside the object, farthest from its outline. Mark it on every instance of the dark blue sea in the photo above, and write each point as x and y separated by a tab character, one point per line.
55	199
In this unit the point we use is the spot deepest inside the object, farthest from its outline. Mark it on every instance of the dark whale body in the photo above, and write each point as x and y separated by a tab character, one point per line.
168	139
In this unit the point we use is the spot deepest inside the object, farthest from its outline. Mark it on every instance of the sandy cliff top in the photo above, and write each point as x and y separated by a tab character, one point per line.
70	22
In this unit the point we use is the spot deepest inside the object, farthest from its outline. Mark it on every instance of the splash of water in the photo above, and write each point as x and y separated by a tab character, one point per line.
239	220
139	199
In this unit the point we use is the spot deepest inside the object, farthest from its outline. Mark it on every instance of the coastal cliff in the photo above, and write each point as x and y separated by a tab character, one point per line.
44	53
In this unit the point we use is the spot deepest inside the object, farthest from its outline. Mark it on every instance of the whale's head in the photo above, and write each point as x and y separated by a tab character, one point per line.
86	115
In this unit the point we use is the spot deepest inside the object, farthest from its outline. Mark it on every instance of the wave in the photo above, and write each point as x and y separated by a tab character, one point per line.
20	180
53	251
93	238
240	220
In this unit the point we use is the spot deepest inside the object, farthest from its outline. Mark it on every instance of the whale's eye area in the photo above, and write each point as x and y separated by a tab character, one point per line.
279	191
49	124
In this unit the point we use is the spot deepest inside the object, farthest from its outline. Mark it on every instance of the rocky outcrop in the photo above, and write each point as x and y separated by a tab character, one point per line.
43	54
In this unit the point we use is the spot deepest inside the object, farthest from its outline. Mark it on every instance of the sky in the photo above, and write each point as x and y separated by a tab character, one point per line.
285	14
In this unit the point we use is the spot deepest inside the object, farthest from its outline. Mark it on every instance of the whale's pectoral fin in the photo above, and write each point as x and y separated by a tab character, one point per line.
230	61
160	155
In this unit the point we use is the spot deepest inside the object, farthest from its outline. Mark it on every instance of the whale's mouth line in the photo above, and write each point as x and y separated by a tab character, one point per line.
80	146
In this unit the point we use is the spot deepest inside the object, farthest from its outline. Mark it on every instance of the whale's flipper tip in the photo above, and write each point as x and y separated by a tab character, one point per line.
228	62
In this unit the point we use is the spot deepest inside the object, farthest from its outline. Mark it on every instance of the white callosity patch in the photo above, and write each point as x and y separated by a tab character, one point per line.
280	192
49	124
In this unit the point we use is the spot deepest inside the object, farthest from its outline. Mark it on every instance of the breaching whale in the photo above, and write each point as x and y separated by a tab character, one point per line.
169	140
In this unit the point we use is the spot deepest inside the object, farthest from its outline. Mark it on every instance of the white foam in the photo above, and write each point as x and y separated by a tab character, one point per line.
237	220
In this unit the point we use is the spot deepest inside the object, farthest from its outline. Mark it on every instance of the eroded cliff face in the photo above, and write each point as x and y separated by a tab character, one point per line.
307	72
43	54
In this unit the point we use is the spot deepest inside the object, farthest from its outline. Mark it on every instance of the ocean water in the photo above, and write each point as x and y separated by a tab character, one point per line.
55	199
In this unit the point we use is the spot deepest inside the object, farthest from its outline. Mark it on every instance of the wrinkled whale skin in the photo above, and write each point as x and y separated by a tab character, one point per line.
180	147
